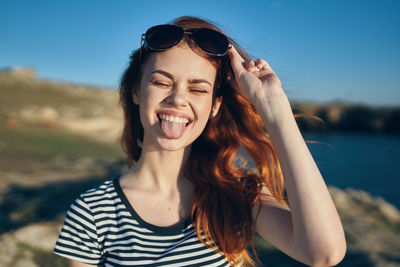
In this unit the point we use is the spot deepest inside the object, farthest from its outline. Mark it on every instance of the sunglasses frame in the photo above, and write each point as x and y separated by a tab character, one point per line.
191	31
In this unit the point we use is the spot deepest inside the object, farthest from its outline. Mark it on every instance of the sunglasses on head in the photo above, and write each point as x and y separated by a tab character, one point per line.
162	37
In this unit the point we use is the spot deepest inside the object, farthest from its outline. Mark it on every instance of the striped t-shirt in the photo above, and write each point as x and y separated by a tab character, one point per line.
102	228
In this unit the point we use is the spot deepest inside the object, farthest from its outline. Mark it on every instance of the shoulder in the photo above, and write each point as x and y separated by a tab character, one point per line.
94	197
103	188
79	238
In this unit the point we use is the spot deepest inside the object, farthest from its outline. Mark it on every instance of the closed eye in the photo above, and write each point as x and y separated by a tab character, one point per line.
199	91
160	84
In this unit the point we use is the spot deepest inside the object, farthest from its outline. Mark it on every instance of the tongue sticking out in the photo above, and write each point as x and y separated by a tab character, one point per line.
172	130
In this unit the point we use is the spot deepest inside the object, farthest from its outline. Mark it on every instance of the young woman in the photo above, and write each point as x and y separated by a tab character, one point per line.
191	97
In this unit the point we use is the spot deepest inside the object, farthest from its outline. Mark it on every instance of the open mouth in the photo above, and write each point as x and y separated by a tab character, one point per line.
162	116
173	127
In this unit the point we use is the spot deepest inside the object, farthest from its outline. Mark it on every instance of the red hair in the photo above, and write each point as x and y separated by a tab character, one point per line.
224	192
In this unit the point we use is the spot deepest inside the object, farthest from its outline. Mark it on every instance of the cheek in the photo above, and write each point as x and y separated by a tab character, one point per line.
147	102
203	109
149	98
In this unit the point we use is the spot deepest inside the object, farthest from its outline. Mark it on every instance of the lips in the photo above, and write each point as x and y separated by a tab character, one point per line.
174	116
173	126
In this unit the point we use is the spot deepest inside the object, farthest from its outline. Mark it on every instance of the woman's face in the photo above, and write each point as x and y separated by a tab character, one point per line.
175	98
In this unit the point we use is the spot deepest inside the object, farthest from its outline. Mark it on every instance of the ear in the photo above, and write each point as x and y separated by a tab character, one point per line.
216	106
136	97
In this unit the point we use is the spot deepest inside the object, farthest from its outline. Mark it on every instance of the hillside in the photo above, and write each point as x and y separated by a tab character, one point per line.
26	100
347	117
59	139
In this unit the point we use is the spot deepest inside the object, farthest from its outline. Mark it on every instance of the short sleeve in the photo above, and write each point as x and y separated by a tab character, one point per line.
78	239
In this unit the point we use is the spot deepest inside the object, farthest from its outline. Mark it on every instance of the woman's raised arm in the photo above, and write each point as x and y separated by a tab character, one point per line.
311	230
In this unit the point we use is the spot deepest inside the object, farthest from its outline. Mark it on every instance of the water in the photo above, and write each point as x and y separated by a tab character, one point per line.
366	161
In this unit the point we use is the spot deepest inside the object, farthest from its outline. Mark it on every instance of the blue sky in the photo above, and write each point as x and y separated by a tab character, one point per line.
321	50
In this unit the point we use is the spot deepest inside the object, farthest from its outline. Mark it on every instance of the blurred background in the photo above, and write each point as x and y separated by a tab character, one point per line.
60	120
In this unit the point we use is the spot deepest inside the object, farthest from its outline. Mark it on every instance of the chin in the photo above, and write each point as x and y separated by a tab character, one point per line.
172	144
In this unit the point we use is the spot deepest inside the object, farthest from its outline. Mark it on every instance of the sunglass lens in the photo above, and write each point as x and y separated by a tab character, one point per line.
163	36
211	41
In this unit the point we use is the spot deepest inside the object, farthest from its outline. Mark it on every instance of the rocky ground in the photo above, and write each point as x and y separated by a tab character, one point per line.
372	229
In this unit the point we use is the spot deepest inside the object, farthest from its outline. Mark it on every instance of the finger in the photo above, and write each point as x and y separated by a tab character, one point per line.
232	50
254	66
262	68
236	61
249	65
261	64
264	73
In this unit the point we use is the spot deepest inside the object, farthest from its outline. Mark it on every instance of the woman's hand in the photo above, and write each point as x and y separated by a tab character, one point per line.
253	79
258	83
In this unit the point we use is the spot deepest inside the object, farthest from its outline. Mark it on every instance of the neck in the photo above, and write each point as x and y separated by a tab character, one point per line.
162	170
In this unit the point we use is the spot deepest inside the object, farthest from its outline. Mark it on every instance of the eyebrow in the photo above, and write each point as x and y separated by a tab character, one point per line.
170	76
200	81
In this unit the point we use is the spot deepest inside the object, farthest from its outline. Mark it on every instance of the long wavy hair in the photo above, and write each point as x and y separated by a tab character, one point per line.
225	190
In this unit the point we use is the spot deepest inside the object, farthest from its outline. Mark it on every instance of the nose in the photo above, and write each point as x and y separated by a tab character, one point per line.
177	96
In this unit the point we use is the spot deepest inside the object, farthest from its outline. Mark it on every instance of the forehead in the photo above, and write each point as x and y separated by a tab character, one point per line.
182	62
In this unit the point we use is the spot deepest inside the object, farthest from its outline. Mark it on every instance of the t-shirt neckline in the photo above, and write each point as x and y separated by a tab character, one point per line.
163	230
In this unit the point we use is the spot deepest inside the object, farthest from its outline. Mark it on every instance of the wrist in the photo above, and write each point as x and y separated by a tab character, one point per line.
275	111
